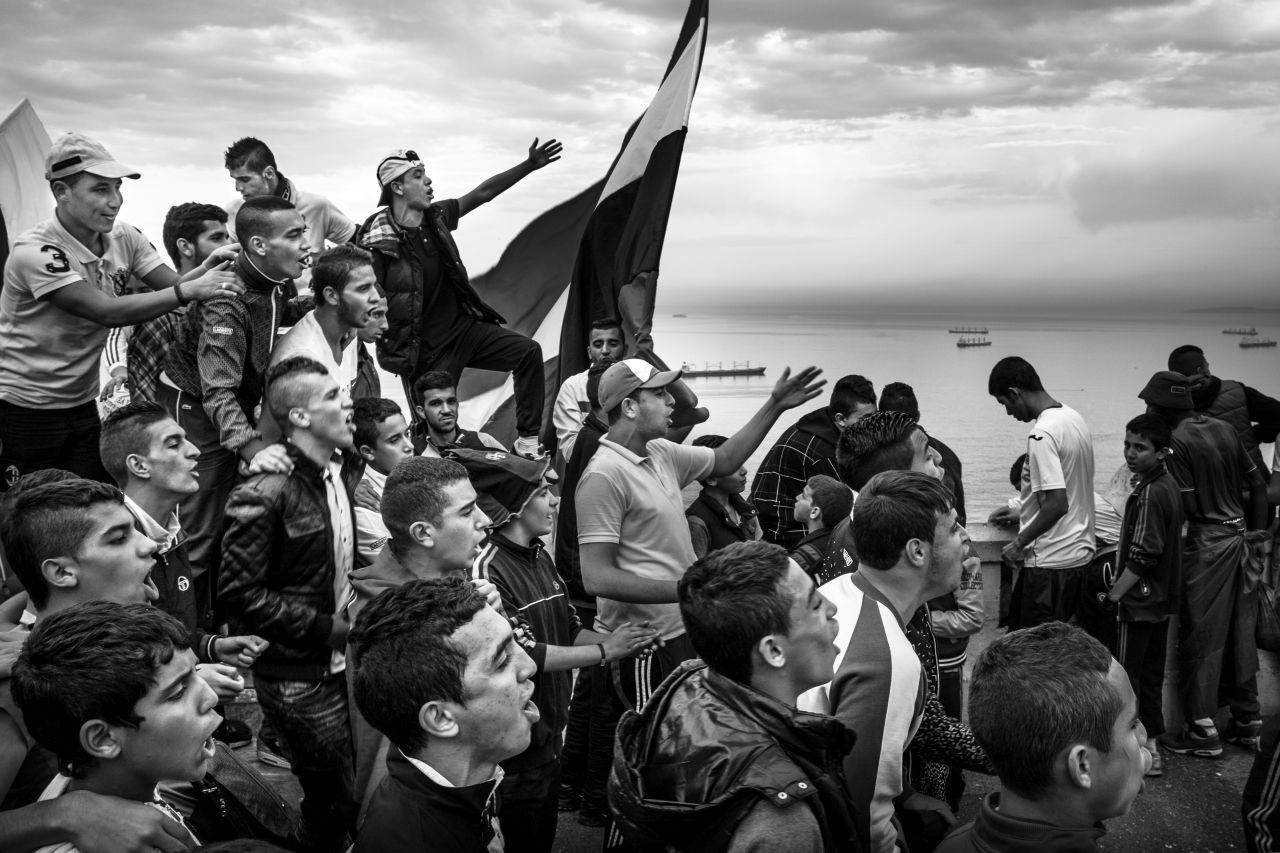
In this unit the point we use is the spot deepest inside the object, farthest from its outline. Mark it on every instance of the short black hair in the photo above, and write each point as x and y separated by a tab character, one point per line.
712	441
879	442
1036	692
126	431
1187	359
432	380
730	599
415	492
1013	372
368	414
899	397
254	218
285	392
404	657
249	153
1153	428
334	266
1015	471
608	322
849	392
49	521
832	498
93	661
185	222
892	509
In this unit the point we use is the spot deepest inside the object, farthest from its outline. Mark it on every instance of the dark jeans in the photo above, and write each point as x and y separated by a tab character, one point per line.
488	346
1045	595
527	808
588	746
203	513
951	695
314	725
36	439
1140	648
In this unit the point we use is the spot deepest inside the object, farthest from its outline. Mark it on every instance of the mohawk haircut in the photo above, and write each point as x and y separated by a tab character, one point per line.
879	442
249	153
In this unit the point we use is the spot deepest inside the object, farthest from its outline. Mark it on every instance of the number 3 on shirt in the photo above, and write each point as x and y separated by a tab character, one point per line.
60	262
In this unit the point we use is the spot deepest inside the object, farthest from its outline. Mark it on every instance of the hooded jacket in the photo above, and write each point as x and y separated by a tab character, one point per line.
399	272
806	448
705	751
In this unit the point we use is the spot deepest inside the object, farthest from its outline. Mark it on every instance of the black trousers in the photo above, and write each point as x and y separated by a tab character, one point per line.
37	439
1140	648
488	346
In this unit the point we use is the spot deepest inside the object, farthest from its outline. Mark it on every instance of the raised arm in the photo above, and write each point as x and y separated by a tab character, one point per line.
789	392
539	156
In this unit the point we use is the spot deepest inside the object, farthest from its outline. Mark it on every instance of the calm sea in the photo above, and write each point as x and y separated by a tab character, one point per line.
1095	366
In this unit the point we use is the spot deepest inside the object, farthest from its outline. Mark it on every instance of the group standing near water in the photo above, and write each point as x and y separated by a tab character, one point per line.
453	642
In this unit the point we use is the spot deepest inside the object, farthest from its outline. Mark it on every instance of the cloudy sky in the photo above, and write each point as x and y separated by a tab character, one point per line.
1028	153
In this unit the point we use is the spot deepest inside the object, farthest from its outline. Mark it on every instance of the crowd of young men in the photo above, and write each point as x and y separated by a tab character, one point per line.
385	576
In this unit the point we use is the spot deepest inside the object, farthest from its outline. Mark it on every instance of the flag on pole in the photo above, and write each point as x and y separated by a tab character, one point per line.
24	194
616	273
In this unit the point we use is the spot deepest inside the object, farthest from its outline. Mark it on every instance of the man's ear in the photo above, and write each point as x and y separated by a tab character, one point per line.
366	452
137	467
1079	765
630	408
299	418
772	653
269	173
186	248
438	719
917	551
815	514
329	296
61	572
258	245
422	533
100	740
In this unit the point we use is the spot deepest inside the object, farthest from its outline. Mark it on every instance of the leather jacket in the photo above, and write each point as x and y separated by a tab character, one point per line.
703	752
278	566
399	274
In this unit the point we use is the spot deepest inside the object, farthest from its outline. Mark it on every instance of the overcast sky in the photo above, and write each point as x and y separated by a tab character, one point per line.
880	152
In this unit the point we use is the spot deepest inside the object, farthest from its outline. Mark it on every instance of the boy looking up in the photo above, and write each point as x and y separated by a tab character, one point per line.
112	690
824	503
1150	556
382	440
1057	716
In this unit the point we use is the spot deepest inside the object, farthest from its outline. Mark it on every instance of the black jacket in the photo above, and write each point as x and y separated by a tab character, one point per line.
399	274
278	568
705	750
409	813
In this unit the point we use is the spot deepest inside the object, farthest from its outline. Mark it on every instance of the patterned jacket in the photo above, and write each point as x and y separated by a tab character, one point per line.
807	448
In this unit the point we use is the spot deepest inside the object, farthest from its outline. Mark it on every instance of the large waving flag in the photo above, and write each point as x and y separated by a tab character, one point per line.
616	227
24	193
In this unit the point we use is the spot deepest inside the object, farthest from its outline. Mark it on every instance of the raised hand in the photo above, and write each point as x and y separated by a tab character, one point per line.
791	391
547	152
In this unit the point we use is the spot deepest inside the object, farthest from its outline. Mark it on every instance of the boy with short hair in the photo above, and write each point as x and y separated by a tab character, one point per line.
382	440
823	503
719	515
112	690
1150	559
1057	716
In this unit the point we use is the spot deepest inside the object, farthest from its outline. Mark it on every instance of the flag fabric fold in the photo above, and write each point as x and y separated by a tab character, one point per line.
24	194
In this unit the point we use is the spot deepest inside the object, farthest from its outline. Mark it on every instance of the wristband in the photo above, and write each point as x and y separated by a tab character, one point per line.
603	659
182	297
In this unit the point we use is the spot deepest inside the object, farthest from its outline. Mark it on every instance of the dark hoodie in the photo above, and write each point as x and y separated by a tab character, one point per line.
993	832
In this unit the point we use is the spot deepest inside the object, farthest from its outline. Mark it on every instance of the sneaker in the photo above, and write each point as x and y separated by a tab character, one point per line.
1243	734
270	754
1157	764
528	447
233	733
1192	742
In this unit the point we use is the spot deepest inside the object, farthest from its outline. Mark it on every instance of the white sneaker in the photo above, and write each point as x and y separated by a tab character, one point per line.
528	447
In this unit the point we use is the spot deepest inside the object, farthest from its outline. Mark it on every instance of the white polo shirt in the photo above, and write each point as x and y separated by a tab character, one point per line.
49	358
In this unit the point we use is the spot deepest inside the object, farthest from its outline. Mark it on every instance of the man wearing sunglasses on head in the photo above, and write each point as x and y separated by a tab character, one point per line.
437	320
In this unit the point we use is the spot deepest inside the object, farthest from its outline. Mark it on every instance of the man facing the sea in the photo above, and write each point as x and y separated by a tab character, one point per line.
1055	539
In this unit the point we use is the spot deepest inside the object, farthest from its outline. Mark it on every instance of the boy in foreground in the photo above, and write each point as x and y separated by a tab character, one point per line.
112	690
1057	716
1150	555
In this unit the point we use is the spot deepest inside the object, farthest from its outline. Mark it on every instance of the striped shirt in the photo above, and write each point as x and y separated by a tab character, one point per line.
879	692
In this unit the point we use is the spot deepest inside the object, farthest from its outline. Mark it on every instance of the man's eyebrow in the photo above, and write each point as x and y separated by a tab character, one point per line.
181	679
501	650
122	527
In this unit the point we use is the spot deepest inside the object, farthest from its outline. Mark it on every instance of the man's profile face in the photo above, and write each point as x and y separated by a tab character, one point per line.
946	555
115	560
924	459
462	528
417	193
213	236
1117	778
440	409
803	508
392	445
655	408
605	343
174	739
171	459
329	412
377	325
811	640
250	184
285	251
497	688
1014	405
358	298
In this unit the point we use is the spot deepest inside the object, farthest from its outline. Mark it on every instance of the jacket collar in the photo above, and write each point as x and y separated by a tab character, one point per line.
997	831
255	279
528	553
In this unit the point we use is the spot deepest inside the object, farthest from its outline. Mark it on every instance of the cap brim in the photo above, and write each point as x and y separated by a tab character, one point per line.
661	379
111	169
384	198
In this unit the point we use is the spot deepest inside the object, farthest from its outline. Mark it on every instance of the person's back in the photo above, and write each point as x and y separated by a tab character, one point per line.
1207	460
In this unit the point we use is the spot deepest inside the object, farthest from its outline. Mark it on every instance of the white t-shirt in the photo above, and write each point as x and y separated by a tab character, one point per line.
570	410
1059	456
49	358
307	338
